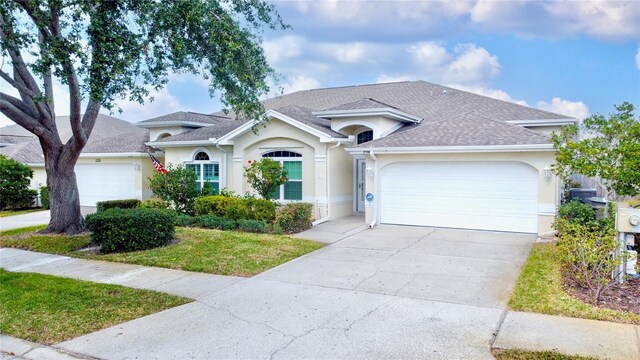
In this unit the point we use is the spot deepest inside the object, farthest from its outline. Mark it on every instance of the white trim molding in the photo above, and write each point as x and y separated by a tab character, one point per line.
167	144
385	112
272	114
114	155
160	124
543	122
452	149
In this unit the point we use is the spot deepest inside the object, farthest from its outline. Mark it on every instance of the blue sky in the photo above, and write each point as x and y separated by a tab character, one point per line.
573	57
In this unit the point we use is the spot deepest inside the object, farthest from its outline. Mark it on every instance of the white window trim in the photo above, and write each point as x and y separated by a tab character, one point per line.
211	160
280	160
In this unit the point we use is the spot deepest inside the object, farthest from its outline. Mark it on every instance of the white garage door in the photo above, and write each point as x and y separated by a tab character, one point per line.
100	182
484	196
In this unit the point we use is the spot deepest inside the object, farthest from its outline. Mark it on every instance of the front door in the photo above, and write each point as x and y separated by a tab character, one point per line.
361	172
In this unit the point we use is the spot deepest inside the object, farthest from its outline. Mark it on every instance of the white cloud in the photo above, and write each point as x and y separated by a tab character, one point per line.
384	78
282	48
473	65
468	65
163	103
638	58
298	83
613	20
489	92
576	109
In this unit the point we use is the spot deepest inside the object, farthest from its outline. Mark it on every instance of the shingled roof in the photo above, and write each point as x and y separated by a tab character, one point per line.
430	102
462	130
188	116
109	135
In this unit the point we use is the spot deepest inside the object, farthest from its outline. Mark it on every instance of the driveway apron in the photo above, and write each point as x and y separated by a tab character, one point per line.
389	292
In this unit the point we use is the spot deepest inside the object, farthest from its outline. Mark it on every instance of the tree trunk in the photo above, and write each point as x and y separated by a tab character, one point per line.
64	198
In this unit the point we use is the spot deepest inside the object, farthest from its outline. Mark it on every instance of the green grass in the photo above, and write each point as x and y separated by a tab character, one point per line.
219	252
24	230
515	354
4	213
47	243
539	289
49	309
201	250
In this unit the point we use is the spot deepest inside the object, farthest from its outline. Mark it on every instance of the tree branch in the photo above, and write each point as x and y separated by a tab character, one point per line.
15	114
27	110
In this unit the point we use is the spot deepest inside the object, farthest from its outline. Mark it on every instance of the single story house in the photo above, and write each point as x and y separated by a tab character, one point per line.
408	153
113	165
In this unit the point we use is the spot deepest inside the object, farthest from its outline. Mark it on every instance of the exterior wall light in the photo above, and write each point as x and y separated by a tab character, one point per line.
369	172
547	173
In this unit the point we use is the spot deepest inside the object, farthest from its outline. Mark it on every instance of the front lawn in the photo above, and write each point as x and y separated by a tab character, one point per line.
515	354
5	213
201	250
539	289
50	309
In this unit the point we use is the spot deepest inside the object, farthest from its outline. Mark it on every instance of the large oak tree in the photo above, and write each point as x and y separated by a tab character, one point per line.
103	51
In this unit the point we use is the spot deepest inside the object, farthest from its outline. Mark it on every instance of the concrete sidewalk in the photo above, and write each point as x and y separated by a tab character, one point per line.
25	220
176	282
295	320
602	339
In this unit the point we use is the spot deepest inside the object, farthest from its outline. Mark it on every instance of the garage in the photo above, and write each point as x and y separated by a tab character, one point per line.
100	182
500	196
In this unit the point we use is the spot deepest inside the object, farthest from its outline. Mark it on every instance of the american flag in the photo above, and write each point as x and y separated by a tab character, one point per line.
157	164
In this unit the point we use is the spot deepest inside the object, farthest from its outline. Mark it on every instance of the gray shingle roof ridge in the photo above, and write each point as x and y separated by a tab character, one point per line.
559	116
349	86
514	126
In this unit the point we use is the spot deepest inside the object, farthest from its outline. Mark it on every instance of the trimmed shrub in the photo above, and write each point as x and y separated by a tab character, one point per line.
153	203
15	179
256	226
215	222
185	220
294	217
131	229
222	206
273	229
44	197
260	209
577	212
117	204
236	208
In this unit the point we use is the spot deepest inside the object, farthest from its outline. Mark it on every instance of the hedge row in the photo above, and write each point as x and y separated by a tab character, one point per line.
236	208
117	204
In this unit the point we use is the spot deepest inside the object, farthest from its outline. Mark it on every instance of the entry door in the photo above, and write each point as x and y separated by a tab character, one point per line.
361	172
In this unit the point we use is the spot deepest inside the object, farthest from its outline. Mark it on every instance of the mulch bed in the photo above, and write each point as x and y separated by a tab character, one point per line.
625	297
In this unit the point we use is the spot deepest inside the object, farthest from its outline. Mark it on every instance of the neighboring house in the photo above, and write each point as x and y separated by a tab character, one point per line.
113	165
409	153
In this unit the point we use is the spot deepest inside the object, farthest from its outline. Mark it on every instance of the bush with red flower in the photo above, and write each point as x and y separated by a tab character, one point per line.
265	176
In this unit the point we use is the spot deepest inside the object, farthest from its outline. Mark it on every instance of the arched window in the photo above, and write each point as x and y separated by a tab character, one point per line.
364	137
201	156
207	171
281	154
292	188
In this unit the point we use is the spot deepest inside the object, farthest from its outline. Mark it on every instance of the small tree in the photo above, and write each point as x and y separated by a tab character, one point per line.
610	152
177	187
15	179
587	253
265	176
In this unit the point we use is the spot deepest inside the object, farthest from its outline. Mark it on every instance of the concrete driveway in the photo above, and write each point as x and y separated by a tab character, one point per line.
390	292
